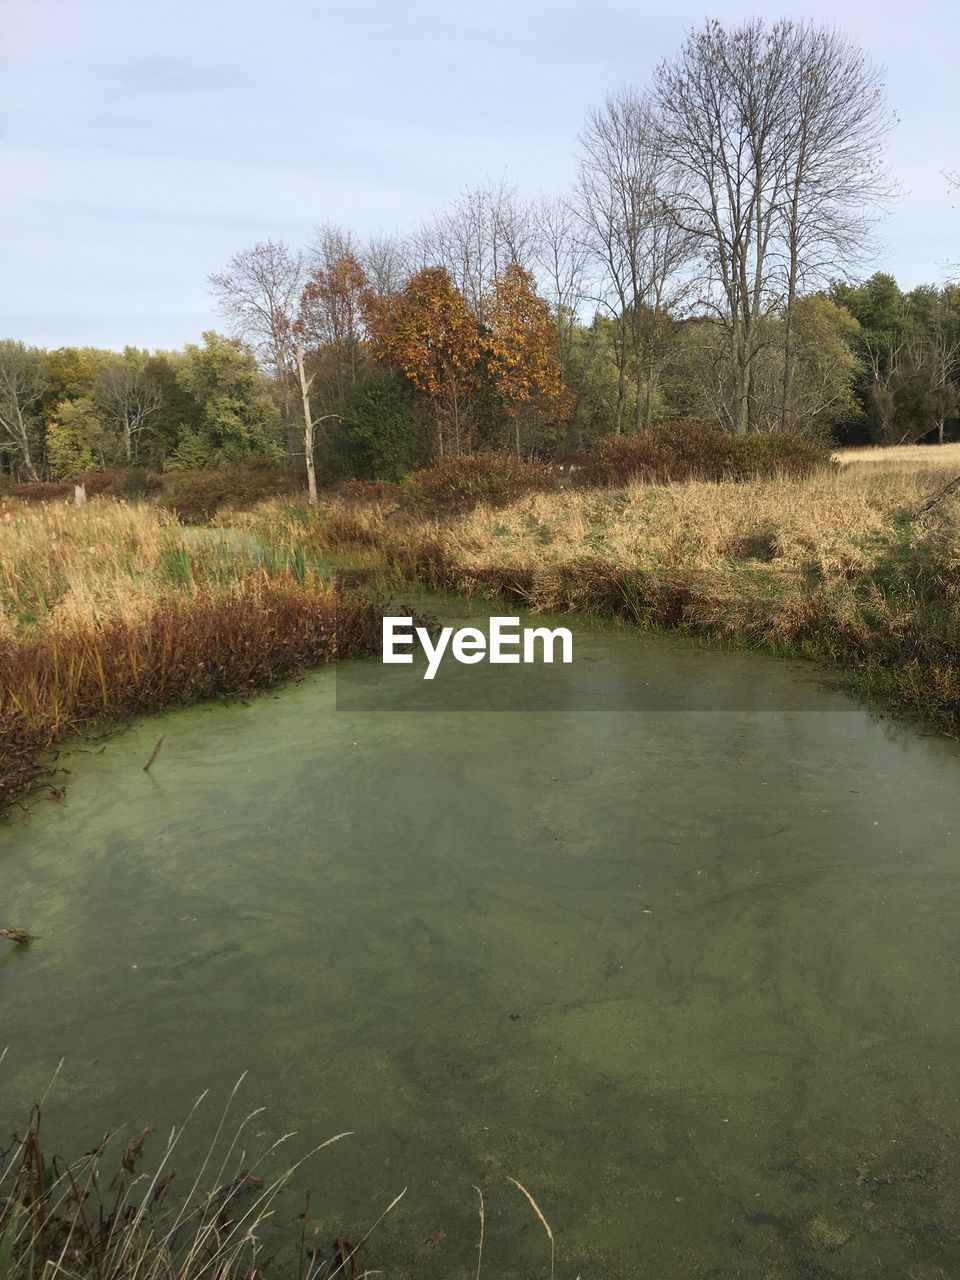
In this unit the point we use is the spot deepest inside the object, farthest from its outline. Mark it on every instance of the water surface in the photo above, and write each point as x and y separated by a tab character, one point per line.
689	974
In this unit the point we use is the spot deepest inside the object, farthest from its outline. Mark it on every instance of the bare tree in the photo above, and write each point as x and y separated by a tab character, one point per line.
835	181
942	359
780	131
259	293
561	260
722	107
627	191
477	238
386	261
22	384
127	400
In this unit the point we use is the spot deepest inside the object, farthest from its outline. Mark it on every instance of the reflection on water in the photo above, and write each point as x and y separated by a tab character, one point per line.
688	975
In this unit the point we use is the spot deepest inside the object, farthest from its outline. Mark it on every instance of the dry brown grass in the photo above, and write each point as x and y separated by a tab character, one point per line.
112	610
841	565
932	456
829	519
56	560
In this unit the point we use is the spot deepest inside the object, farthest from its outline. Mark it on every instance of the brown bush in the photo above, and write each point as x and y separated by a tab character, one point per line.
494	479
677	451
382	491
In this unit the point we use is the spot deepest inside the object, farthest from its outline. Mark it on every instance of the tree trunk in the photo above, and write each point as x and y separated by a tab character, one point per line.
28	461
307	428
741	409
648	407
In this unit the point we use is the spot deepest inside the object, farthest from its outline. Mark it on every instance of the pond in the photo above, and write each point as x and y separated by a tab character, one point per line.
678	950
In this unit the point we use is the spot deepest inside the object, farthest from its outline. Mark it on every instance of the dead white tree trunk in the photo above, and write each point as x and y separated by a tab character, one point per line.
307	425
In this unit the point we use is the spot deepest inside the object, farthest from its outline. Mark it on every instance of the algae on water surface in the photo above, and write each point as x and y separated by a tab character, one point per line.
687	974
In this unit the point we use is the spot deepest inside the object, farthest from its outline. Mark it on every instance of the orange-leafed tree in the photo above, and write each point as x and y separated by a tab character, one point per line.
523	354
430	334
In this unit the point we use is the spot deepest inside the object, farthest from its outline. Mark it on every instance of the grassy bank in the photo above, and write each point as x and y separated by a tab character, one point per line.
843	565
113	610
116	609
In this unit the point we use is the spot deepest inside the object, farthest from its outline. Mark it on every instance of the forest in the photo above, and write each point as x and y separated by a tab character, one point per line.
711	262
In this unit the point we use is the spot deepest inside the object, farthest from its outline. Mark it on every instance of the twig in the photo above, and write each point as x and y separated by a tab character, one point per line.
155	752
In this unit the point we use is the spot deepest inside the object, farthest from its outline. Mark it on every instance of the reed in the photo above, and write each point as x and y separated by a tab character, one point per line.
101	1217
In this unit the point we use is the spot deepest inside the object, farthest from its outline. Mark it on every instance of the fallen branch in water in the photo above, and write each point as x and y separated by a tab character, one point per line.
19	936
155	752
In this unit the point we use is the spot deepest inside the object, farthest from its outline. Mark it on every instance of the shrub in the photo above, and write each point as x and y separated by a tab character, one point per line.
197	496
773	453
492	478
135	484
674	451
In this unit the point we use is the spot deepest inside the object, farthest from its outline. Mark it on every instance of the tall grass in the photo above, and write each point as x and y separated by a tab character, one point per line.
99	1217
112	610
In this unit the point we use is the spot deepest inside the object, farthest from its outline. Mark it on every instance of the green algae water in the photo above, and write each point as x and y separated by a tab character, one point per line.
687	972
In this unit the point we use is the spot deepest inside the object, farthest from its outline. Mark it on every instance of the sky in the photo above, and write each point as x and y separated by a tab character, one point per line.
143	144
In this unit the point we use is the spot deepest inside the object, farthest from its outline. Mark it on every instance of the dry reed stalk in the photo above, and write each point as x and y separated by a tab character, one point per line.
546	1225
480	1243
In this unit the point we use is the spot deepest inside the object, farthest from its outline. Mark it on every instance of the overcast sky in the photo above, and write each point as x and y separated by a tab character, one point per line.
142	144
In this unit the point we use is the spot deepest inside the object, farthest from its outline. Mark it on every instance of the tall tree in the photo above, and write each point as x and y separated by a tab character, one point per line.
386	262
330	311
128	401
76	439
780	131
722	110
627	194
476	239
259	295
238	415
561	261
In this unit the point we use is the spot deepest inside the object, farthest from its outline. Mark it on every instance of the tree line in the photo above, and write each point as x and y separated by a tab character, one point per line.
699	267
